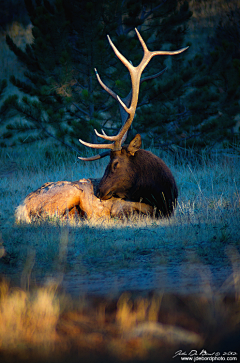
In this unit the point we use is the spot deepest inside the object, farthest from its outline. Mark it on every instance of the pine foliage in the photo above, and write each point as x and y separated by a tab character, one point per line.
213	97
63	98
194	104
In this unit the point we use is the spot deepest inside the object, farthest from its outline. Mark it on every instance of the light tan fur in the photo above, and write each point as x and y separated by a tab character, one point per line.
65	199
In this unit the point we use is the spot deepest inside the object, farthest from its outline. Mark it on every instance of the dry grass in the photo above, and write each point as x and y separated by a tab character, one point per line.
27	319
48	326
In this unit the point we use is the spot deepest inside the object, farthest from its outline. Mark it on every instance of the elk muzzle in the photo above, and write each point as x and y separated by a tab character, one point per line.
104	196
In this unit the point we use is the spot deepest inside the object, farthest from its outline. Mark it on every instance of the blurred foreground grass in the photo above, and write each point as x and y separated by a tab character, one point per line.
43	325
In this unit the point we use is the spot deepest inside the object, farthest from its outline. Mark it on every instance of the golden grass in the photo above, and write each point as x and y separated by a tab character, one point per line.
27	319
43	324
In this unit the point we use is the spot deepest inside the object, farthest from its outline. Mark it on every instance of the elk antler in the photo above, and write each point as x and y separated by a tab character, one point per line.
129	107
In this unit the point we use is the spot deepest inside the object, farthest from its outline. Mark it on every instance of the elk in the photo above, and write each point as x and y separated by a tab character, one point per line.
134	174
135	180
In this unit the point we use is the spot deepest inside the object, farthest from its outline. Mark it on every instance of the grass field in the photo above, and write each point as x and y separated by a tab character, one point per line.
64	279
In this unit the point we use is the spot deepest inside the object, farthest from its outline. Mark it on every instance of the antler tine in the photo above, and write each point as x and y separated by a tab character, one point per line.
149	54
95	157
113	94
97	146
120	56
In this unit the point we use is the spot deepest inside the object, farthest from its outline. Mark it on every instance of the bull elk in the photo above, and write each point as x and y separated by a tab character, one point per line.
134	174
135	180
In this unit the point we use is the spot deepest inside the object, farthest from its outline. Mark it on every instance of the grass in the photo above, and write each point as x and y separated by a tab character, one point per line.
56	268
206	222
27	318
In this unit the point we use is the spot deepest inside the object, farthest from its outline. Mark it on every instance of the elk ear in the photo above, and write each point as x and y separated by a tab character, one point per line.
134	145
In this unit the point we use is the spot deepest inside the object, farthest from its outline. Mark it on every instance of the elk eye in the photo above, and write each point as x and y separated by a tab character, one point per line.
115	165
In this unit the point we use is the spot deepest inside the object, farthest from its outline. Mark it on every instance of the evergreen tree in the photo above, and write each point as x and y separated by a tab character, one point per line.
3	85
12	11
162	107
46	104
63	98
213	97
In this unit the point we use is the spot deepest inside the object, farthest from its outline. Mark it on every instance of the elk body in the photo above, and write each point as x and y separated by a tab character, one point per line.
135	180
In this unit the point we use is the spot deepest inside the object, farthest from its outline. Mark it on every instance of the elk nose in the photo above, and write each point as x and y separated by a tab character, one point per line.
103	196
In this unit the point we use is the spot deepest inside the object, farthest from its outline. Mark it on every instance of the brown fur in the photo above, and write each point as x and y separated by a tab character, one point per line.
138	175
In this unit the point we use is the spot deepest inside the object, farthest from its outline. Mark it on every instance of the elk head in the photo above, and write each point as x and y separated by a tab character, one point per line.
123	158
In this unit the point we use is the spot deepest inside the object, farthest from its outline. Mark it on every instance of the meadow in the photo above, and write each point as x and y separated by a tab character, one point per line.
113	283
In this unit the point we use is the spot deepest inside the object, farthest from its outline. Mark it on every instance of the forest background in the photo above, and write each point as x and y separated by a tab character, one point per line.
49	50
